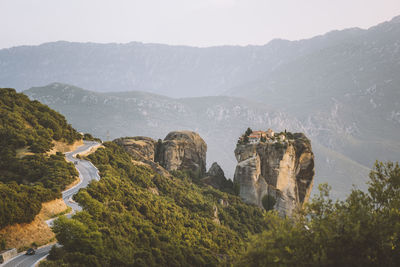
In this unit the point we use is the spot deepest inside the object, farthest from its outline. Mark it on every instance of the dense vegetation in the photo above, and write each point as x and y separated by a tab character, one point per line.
135	217
28	176
30	123
89	137
26	183
363	230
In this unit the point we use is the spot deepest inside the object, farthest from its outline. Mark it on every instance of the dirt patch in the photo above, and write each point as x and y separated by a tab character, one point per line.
58	147
139	163
140	143
22	152
154	190
27	125
52	208
64	147
25	234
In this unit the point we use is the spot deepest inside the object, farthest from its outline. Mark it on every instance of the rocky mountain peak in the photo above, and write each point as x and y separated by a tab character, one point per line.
282	167
215	170
216	178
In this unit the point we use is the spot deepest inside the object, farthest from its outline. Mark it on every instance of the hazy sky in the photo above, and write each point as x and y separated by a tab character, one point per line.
188	22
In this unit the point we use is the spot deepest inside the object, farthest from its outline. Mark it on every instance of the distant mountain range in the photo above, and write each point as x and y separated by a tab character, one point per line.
341	89
180	71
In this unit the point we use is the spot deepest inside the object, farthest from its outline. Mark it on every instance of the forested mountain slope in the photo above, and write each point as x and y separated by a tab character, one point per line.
28	175
135	217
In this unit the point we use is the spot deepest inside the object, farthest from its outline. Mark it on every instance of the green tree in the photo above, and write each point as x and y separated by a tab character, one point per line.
236	188
157	151
248	131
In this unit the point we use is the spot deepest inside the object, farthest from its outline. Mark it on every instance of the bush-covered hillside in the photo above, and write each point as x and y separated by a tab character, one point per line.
363	230
28	176
135	217
30	123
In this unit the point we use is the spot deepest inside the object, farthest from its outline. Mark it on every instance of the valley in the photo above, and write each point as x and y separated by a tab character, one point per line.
138	154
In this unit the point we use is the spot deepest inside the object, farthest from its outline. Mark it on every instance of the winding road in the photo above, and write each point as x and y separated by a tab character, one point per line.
87	172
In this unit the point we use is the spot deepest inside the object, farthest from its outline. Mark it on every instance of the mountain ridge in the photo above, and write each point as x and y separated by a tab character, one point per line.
178	71
218	119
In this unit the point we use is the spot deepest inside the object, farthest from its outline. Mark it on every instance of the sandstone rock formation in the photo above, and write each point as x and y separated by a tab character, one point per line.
215	171
138	146
143	151
183	150
284	170
216	178
180	150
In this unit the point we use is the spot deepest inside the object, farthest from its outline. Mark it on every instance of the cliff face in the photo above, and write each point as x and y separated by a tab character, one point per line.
183	150
139	147
180	150
284	170
216	178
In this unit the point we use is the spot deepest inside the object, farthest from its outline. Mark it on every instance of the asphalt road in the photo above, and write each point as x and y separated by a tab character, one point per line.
23	260
87	172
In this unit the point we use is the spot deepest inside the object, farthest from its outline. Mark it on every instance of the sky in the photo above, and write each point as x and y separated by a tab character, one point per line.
184	22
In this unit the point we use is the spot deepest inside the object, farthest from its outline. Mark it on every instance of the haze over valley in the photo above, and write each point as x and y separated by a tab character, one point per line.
340	89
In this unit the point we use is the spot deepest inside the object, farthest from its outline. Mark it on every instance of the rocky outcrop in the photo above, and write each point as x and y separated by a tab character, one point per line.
216	178
216	171
284	170
183	150
138	146
143	151
180	150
